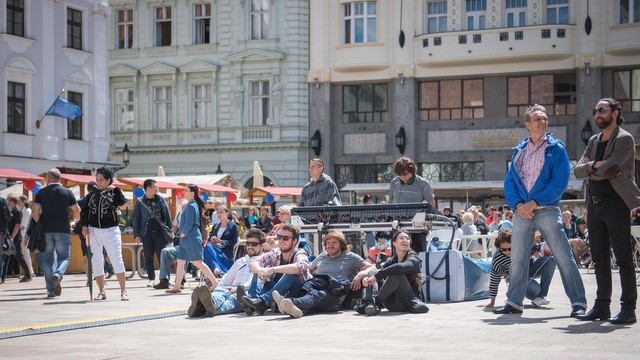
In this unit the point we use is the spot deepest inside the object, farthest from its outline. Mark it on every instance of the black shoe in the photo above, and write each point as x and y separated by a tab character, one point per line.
415	305
596	313
371	310
162	284
57	289
577	311
204	294
196	309
50	296
624	317
507	309
240	294
182	283
110	275
360	308
256	304
26	279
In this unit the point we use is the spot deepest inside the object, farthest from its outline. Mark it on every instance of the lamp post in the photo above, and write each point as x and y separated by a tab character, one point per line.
316	142
587	132
125	159
401	140
219	170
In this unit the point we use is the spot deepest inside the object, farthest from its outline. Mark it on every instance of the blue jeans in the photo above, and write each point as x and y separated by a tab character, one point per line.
60	244
226	302
168	256
549	222
40	262
290	284
542	268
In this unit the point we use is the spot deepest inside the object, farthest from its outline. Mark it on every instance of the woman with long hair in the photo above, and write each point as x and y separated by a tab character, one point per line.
100	220
222	240
400	279
191	239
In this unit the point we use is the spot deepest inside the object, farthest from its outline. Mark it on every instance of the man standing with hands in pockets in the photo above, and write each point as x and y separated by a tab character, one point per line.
609	164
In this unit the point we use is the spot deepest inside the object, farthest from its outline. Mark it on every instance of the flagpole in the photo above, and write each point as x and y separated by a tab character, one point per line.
39	121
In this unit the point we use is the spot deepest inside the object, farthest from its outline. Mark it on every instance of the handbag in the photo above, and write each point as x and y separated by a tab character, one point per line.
8	247
168	235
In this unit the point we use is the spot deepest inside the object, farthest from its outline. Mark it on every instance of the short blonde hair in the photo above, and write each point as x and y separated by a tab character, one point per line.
467	217
285	209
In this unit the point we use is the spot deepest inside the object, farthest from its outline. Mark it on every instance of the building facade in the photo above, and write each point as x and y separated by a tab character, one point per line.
198	86
446	82
47	46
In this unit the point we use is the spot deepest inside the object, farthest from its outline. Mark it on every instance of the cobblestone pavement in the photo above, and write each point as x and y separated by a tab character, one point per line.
147	327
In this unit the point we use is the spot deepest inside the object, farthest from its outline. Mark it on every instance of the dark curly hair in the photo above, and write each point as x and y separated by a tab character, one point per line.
504	236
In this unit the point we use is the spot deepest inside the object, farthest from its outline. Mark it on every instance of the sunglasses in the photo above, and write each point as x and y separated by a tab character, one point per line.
253	243
505	249
601	110
284	237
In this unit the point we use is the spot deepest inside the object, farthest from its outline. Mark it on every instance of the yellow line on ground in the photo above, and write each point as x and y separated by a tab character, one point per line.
86	321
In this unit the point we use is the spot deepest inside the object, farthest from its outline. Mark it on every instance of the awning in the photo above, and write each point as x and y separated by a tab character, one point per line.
263	191
214	188
162	185
14	174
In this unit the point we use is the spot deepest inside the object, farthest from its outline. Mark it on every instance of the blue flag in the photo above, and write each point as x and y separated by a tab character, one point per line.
65	109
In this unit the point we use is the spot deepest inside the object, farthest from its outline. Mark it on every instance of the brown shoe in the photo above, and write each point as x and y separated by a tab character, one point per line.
204	295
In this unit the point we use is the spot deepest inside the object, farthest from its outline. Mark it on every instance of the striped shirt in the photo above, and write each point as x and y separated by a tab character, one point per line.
531	160
274	258
499	268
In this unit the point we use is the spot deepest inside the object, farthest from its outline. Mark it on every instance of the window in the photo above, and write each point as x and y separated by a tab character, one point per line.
163	117
516	13
557	11
201	105
436	17
124	110
557	93
15	17
124	29
360	22
363	174
74	127
449	172
202	18
259	105
629	11
259	19
476	12
74	29
364	103
452	99
626	89
163	26
15	107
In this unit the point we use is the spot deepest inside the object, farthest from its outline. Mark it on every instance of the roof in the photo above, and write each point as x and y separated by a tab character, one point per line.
14	174
70	180
161	184
214	188
282	191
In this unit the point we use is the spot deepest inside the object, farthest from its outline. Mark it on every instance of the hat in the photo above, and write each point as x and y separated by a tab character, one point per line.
446	208
335	234
506	225
537	233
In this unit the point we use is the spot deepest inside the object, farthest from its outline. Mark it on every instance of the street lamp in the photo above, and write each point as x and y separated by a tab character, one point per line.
316	142
401	140
125	159
219	170
587	131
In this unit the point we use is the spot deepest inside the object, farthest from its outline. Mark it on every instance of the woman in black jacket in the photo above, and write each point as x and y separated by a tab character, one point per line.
100	219
400	279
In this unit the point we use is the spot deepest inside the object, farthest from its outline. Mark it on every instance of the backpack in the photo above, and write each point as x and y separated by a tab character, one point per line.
205	221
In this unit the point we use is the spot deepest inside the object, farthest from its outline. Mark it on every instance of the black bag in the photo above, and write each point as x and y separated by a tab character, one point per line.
8	247
169	236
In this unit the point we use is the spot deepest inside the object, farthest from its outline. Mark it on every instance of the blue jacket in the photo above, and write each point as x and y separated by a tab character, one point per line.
141	216
552	181
228	239
190	221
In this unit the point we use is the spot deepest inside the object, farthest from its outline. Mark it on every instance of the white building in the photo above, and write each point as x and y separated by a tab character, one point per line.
198	86
46	46
446	82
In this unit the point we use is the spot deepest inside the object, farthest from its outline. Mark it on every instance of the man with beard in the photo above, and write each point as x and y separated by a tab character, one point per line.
534	184
283	269
608	164
224	299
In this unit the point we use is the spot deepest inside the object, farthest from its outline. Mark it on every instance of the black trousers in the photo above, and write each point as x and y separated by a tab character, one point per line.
152	243
17	242
609	227
392	294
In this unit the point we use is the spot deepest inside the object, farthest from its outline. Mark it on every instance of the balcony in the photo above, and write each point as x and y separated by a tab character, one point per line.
495	46
361	57
623	40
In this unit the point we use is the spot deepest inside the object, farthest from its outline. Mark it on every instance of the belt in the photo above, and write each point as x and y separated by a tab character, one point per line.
596	199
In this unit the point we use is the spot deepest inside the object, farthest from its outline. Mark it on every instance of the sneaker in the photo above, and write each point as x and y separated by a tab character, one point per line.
163	284
124	296
277	298
50	296
539	301
57	289
151	283
287	306
26	279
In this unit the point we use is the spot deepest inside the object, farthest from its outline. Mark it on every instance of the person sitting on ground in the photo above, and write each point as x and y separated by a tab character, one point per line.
540	266
224	298
400	282
218	253
336	271
284	269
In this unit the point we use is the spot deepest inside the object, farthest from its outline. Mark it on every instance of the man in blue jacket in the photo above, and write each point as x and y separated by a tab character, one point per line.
535	182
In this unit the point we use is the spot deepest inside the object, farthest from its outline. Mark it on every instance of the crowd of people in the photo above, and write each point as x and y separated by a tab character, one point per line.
279	273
